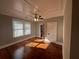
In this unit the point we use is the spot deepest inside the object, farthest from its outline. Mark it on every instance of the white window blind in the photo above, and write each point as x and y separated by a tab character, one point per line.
27	27
17	28
21	28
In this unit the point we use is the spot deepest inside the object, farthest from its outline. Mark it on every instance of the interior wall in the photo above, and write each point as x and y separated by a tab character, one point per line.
37	28
67	29
6	31
52	31
59	21
74	51
60	29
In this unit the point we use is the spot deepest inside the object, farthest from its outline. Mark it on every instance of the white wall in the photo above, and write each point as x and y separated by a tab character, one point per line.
37	28
59	21
6	31
67	29
18	9
60	29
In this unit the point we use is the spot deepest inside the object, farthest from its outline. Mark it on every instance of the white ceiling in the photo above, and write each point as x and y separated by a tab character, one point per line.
49	8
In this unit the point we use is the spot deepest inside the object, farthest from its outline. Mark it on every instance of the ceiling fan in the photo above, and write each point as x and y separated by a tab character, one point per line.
38	17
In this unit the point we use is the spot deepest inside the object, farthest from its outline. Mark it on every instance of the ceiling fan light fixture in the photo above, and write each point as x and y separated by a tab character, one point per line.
35	19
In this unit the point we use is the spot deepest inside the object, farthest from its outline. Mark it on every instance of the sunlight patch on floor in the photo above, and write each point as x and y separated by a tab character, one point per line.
39	40
42	46
32	44
38	43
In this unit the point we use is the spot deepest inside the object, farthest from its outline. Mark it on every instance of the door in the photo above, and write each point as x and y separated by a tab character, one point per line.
52	31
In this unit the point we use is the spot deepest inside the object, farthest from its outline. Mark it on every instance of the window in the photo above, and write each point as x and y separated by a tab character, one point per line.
17	28
27	27
21	28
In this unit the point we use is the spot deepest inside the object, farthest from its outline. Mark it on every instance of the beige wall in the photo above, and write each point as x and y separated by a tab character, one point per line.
67	29
59	21
6	31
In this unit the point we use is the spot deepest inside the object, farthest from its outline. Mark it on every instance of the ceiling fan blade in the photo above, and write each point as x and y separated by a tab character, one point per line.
40	17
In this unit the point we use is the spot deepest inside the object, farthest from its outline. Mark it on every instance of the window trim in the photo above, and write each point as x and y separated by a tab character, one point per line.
23	22
25	28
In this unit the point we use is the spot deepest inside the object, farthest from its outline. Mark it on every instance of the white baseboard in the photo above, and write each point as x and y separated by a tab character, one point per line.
7	45
59	43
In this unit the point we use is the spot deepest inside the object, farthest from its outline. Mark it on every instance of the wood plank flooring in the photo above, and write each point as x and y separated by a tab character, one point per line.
32	49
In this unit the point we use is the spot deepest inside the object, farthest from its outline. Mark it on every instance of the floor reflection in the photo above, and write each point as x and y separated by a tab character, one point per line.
35	48
19	53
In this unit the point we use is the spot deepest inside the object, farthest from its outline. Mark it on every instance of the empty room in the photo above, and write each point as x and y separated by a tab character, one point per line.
38	29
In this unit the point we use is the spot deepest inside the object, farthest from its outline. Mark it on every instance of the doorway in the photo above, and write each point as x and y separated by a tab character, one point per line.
42	30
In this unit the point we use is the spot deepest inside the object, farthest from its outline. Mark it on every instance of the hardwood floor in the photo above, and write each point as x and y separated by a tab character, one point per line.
32	49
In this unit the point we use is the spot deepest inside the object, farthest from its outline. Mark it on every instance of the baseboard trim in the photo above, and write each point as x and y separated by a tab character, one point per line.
7	45
59	43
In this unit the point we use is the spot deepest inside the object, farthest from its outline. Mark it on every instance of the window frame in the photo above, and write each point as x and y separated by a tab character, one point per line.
29	23
23	23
